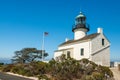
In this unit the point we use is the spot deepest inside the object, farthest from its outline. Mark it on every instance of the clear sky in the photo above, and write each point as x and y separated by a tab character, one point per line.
22	23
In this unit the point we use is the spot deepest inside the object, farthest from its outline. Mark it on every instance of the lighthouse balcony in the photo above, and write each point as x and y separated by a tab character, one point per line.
82	26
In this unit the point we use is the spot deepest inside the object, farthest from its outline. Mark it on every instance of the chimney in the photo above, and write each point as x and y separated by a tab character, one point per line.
66	39
100	30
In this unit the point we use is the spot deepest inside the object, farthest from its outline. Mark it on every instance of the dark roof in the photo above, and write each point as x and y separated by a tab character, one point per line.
91	36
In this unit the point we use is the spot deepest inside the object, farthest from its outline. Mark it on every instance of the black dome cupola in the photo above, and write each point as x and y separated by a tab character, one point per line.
80	22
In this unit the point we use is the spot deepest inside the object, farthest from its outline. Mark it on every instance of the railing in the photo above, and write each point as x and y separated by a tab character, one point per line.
76	26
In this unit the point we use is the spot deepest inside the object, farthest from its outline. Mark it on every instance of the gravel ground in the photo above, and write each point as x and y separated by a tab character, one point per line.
116	73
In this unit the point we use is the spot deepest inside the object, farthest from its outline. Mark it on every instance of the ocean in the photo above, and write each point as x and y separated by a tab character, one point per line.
5	60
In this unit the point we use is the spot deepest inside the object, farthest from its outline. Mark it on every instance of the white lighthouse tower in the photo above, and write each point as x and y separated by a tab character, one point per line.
81	28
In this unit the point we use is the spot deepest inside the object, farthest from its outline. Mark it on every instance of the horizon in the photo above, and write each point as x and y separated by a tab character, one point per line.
8	60
23	22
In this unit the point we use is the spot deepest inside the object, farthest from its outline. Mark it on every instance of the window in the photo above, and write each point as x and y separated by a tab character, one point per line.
82	52
103	42
68	54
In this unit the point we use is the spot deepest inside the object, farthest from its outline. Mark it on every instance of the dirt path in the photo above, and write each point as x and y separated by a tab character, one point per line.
31	78
116	73
4	76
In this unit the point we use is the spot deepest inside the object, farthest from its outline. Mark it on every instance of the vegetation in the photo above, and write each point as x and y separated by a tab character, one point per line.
1	64
62	69
28	55
119	67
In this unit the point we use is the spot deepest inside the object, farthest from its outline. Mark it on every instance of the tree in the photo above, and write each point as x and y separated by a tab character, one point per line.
28	55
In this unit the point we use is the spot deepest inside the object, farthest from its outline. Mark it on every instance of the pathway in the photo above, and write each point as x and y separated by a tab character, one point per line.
116	73
4	76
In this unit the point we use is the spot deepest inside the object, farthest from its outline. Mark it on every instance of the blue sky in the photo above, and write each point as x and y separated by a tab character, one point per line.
22	23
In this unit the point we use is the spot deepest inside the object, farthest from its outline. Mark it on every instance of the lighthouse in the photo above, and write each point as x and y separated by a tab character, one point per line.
90	46
80	28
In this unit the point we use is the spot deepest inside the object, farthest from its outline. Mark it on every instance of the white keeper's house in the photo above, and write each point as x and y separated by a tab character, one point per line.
95	47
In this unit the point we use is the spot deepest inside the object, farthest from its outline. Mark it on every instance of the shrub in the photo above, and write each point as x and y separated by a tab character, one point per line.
65	69
119	67
106	71
84	60
43	77
7	68
22	69
1	64
94	65
97	76
38	67
15	69
88	77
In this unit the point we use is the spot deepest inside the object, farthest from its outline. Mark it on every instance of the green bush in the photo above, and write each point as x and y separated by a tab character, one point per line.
84	60
43	77
38	67
65	69
88	77
7	68
106	70
97	76
22	70
1	64
93	64
15	69
25	72
119	67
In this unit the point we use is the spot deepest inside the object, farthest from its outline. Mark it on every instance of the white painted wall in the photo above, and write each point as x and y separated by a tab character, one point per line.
63	51
102	57
102	52
79	33
76	48
96	43
58	54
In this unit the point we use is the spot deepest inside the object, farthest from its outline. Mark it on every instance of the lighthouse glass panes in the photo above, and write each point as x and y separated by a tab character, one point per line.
82	51
80	19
